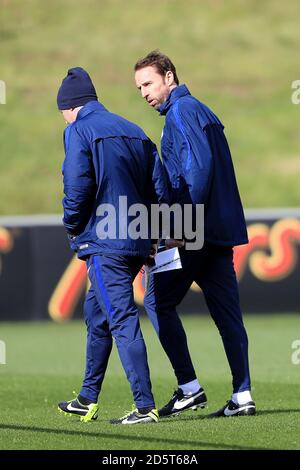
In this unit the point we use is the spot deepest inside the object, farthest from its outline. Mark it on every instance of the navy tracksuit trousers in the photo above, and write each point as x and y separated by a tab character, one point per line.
110	311
212	269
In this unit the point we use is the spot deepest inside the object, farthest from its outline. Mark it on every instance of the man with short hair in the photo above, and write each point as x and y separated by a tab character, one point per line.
200	170
108	158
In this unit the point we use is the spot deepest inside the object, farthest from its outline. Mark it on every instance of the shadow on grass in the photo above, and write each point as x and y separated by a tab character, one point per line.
200	417
130	438
275	412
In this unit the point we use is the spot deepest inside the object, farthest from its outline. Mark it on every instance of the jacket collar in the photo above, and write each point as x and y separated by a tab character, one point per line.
90	107
176	93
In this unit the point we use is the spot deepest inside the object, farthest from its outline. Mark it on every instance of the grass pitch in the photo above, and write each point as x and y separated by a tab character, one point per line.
45	362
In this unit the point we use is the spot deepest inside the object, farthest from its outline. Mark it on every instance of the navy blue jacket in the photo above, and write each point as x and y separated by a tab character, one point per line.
106	157
197	159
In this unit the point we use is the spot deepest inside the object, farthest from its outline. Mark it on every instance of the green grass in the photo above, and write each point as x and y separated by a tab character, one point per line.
45	363
238	57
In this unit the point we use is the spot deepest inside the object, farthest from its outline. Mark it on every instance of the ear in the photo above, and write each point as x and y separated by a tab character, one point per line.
169	77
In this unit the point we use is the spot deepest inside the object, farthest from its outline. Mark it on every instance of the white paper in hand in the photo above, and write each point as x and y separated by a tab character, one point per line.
166	261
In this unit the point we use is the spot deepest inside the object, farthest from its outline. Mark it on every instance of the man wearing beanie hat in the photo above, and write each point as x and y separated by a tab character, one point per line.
106	158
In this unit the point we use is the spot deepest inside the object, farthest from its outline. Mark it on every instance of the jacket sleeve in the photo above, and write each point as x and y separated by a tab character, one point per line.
159	183
79	182
159	187
193	154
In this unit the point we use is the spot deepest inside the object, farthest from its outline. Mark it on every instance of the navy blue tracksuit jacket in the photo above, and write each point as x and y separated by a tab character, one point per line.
198	161
107	157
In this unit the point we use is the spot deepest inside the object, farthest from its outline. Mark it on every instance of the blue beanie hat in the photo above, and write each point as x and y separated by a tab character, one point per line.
76	89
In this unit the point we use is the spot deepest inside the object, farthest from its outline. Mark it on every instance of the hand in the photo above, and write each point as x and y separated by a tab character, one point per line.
150	259
71	237
173	243
72	241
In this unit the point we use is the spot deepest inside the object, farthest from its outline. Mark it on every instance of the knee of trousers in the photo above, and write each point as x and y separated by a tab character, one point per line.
97	327
126	334
159	305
